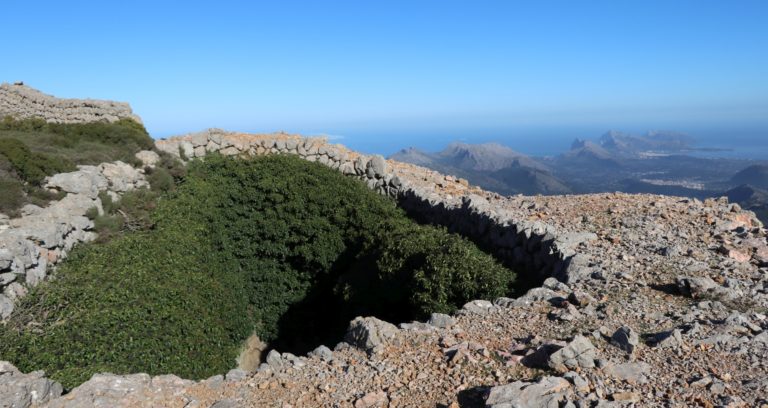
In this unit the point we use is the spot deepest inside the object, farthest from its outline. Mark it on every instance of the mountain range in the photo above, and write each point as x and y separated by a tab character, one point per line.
658	162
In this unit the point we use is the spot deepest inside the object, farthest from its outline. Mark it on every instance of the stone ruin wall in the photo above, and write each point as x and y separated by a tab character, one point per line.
22	102
30	246
532	248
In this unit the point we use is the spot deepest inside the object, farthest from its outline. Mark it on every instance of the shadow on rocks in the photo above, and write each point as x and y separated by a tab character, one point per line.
668	288
473	397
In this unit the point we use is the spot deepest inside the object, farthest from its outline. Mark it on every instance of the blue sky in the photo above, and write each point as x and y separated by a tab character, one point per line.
391	72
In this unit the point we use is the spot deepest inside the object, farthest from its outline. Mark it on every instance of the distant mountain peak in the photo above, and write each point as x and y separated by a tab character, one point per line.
485	157
654	140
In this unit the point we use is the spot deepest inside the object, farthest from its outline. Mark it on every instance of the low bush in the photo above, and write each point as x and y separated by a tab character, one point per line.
289	249
32	167
36	149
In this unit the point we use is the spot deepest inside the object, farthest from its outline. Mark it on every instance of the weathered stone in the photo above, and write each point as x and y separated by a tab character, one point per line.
274	359
633	373
25	390
626	339
441	320
581	298
22	102
368	333
577	354
148	158
376	167
322	352
480	307
376	399
6	307
547	392
703	287
236	374
88	181
668	339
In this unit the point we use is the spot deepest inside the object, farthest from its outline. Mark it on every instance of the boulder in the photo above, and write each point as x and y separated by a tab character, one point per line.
376	167
123	177
441	320
133	390
19	390
577	354
632	373
369	333
668	339
480	307
148	158
322	352
698	287
88	181
626	339
547	392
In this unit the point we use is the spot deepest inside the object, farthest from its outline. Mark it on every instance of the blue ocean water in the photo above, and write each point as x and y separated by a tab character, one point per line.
753	146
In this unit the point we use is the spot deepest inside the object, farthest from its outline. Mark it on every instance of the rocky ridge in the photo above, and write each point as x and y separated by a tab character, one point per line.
31	245
22	102
650	301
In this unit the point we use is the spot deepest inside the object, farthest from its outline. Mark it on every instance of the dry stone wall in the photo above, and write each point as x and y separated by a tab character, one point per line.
22	102
534	249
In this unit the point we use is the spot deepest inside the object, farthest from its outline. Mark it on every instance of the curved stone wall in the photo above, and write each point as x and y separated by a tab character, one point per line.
22	102
536	250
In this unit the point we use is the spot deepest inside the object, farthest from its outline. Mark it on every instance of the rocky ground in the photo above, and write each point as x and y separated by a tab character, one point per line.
665	305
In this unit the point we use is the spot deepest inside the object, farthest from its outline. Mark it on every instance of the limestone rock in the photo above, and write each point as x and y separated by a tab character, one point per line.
703	287
626	339
148	158
22	102
368	333
441	320
25	390
578	353
87	181
547	392
480	307
373	400
633	373
6	307
376	167
322	352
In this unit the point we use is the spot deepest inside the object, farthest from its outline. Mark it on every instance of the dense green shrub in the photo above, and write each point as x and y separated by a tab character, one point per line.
278	245
32	167
12	196
36	149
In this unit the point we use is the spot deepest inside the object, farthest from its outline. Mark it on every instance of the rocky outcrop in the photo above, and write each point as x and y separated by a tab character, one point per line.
22	102
19	390
30	246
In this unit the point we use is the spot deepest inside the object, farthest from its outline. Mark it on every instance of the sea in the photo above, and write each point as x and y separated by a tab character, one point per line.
713	144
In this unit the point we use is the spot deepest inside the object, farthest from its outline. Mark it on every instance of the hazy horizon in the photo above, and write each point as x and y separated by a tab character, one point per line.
388	75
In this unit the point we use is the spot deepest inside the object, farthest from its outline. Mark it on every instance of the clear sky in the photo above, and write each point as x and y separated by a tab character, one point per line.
410	68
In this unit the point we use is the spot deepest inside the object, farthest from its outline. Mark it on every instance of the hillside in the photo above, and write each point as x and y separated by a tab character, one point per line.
623	299
32	149
756	175
490	166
